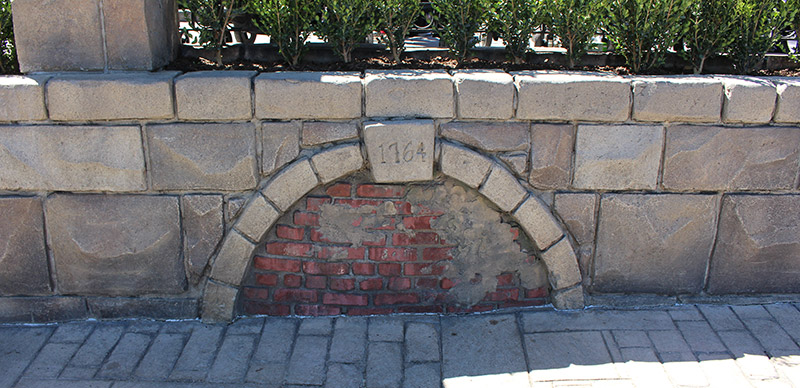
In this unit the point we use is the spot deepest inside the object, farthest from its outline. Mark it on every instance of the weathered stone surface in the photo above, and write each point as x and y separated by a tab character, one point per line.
151	308
318	132
758	247
40	309
115	245
140	34
22	98
485	94
203	229
71	158
547	95
218	303
400	151
337	162
257	218
291	184
231	262
492	137
23	259
620	157
569	299
117	96
233	207
214	95
718	158
536	219
551	155
467	166
518	161
562	265
409	93
787	109
569	356
202	156
578	211
654	243
280	144
66	37
304	95
679	98
748	100
503	189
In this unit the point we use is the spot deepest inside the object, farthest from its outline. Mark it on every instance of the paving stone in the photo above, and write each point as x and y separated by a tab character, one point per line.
666	341
140	34
337	162
721	317
96	348
256	220
214	95
537	221
683	369
644	369
22	98
79	372
291	184
700	336
631	338
317	132
677	99
422	343
307	364
198	354
484	94
384	365
203	228
72	332
267	375
489	136
568	356
464	165
503	188
20	345
232	359
125	356
349	340
38	383
787	109
748	100
551	155
161	357
400	151
722	371
746	313
308	95
749	355
620	157
544	321
344	375
316	326
245	326
772	338
51	360
276	341
427	375
685	313
24	269
788	317
280	144
409	93
386	329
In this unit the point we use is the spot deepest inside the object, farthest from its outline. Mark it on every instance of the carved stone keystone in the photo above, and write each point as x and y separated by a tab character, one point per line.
401	151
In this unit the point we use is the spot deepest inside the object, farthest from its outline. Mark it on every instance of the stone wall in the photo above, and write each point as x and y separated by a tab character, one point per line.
148	194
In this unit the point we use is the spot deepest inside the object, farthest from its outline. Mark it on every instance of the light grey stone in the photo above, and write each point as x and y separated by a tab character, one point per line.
731	159
140	34
267	375
291	184
71	158
749	355
316	326
654	243
344	375
537	221
39	383
400	151
233	207
685	313
562	265
518	161
622	157
787	109
308	95
748	100
20	345
409	93
316	132
157	363
492	137
700	336
551	155
427	375
503	189
577	210
230	365
668	341
23	259
334	163
757	249
51	360
678	98
546	321
115	96
280	144
97	346
631	338
386	329
214	95
307	364
384	365
721	317
22	98
548	95
125	356
100	247
276	341
484	94
349	343
218	303
203	229
198	354
257	218
422	342
231	262
569	356
569	299
72	332
464	165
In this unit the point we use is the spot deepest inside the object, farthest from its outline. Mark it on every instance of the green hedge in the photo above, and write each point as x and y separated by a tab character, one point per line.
8	56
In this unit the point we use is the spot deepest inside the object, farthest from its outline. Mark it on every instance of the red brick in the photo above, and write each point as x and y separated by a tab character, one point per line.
345	299
419	309
306	219
436	254
294	295
368	311
316	282
315	310
422	210
506	279
316	236
363	269
503	295
339	190
380	191
390	269
341	253
416	269
540	292
375	243
397	284
371	284
392	254
343	284
403	208
357	203
292	281
447	284
256	293
314	268
384	299
313	204
290	249
254	308
423	222
267	279
421	238
429	283
290	233
515	233
278	265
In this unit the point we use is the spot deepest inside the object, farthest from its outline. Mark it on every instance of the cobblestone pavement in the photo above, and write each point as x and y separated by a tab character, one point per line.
691	346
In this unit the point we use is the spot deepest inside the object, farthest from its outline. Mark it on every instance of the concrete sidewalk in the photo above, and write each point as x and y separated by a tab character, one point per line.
687	346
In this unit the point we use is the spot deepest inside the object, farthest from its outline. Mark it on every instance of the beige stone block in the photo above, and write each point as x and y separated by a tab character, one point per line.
549	95
724	159
215	95
23	259
280	144
618	157
117	96
578	211
203	228
22	98
334	163
562	265
503	189
677	99
140	34
257	218
400	151
233	259
202	156
409	93
317	132
291	184
571	299
485	94
464	165
492	137
536	219
551	155
308	95
748	100
787	109
67	158
218	303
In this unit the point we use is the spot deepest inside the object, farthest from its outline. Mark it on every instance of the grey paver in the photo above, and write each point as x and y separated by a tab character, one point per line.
722	371
230	365
40	383
97	346
72	332
51	360
788	317
316	326
161	357
426	375
144	327
276	341
700	336
384	365
668	341
422	343
349	340
386	329
267	374
79	372
344	375
683	369
751	312
198	354
19	346
644	369
307	364
770	335
685	313
542	321
721	318
246	326
749	355
569	356
126	355
631	338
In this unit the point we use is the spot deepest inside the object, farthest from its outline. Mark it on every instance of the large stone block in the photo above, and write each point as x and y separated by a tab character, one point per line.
118	245
748	100
22	98
214	95
118	96
400	151
23	258
58	35
720	159
41	309
620	157
71	158
788	107
467	166
280	144
758	247
409	93
547	95
203	228
695	99
485	94
492	137
147	308
551	155
140	34
317	132
654	243
291	184
304	95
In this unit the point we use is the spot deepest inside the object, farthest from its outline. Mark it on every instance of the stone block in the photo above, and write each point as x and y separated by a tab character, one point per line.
334	163
22	98
118	245
42	309
562	265
23	259
140	34
679	98
202	156
409	93
551	155
571	299
84	158
485	94
548	95
280	144
257	218
214	95
467	166
400	151
748	100
118	96
723	159
758	247
517	161
232	260
503	189
578	211
537	221
291	184
787	109
67	36
317	132
203	228
218	303
306	95
492	137
147	308
619	157
654	243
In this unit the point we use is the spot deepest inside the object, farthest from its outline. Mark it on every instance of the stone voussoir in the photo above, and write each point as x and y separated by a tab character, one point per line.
214	95
22	98
257	218
464	165
562	265
291	184
677	99
409	93
485	94
218	303
503	189
308	95
537	221
232	259
748	100
334	163
569	299
788	107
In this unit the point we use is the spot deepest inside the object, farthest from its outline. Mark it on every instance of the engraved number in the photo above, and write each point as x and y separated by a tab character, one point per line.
409	153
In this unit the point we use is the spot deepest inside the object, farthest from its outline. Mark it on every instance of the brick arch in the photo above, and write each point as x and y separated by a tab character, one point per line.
278	193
